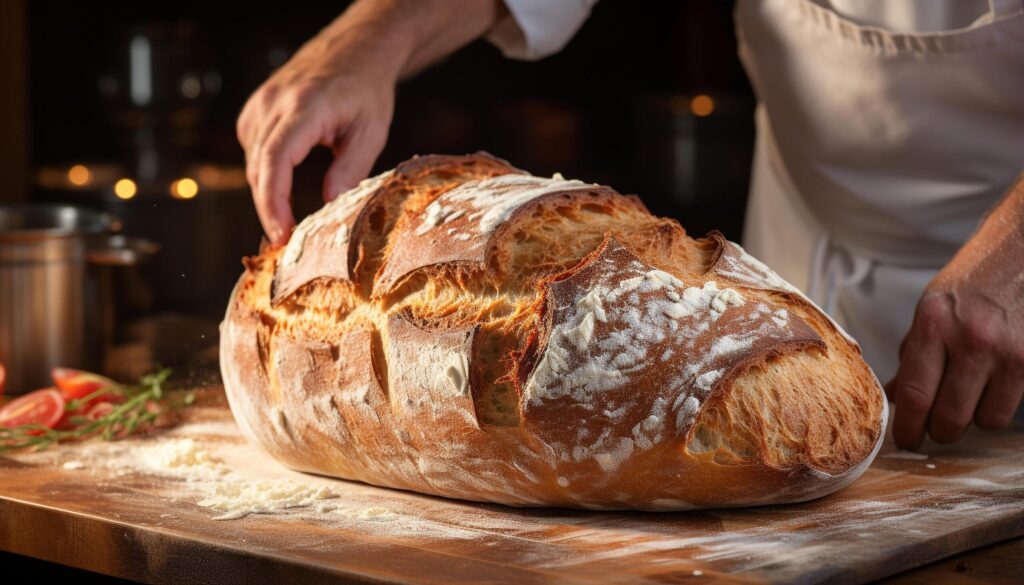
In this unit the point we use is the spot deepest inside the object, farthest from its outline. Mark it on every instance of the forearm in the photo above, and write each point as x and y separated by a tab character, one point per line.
995	253
400	37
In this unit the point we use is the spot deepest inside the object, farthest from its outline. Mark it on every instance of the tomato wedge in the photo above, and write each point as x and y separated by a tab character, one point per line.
44	407
65	424
75	384
93	411
98	410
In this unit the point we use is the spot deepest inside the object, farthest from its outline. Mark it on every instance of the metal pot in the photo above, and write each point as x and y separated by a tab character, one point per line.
56	296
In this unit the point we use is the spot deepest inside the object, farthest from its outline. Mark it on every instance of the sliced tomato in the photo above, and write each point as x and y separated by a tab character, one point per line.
44	407
65	424
98	410
93	411
75	384
3	379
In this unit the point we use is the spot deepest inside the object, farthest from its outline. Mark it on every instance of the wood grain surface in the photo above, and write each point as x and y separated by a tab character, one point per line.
142	524
999	564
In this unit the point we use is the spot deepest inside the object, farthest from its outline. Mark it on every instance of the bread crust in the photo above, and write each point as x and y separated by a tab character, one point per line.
629	367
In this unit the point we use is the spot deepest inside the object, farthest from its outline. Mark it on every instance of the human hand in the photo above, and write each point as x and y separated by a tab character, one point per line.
336	91
963	358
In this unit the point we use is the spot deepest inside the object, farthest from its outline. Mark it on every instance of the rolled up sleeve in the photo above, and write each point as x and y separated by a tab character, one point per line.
534	29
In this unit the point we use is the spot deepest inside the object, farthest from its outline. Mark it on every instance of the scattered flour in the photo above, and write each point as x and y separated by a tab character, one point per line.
906	455
237	498
556	539
182	456
377	513
231	495
211	475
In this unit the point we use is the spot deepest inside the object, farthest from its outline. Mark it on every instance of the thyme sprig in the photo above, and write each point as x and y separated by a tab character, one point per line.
143	403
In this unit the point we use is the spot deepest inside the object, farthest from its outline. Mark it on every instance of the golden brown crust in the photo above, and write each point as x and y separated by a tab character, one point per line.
484	334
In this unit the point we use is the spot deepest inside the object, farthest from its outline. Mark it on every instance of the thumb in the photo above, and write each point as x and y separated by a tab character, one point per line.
353	160
890	386
890	389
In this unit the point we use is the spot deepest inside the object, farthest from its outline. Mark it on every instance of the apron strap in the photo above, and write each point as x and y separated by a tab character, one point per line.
834	269
1002	8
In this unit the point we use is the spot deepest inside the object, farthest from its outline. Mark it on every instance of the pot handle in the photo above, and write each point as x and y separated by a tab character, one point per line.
121	251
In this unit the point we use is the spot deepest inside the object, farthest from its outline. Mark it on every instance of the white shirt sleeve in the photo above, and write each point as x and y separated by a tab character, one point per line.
534	29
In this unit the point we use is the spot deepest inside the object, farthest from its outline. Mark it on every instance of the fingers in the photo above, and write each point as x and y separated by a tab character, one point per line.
286	145
890	387
257	122
1001	398
967	374
244	128
959	392
355	154
922	362
256	115
961	361
252	153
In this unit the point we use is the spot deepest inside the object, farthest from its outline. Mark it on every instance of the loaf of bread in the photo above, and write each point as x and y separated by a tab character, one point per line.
459	327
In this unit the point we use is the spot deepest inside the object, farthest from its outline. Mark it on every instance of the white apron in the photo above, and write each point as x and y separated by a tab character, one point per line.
877	154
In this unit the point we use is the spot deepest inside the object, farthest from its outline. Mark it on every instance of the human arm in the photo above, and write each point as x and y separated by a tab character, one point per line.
338	91
963	358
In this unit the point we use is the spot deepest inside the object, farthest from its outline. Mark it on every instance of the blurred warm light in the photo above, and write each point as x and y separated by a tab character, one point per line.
79	175
702	105
184	188
125	189
212	177
208	175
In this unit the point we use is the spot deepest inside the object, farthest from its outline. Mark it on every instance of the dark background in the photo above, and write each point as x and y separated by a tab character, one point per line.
613	107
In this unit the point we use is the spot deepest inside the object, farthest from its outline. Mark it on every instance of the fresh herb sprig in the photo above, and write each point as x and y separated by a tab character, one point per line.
142	404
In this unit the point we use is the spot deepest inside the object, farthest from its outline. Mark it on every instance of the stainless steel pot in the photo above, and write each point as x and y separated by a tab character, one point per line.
56	297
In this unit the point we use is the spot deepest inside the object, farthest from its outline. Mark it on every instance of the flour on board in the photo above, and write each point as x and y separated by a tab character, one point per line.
239	498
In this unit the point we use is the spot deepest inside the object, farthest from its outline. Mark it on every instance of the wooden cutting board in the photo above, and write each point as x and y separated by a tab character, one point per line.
83	505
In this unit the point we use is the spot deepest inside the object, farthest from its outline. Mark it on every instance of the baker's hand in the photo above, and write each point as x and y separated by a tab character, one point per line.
963	358
333	93
338	91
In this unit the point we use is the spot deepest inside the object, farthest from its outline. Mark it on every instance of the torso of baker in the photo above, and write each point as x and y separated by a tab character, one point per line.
890	144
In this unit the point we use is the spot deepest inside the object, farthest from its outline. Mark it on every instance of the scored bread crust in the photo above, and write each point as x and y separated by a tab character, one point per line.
461	328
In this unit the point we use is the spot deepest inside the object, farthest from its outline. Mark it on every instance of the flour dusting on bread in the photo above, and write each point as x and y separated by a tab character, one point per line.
331	216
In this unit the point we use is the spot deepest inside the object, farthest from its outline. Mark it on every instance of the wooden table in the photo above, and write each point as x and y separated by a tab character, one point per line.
142	527
901	514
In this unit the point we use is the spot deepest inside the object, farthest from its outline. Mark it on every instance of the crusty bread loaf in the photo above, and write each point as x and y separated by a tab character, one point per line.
461	328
